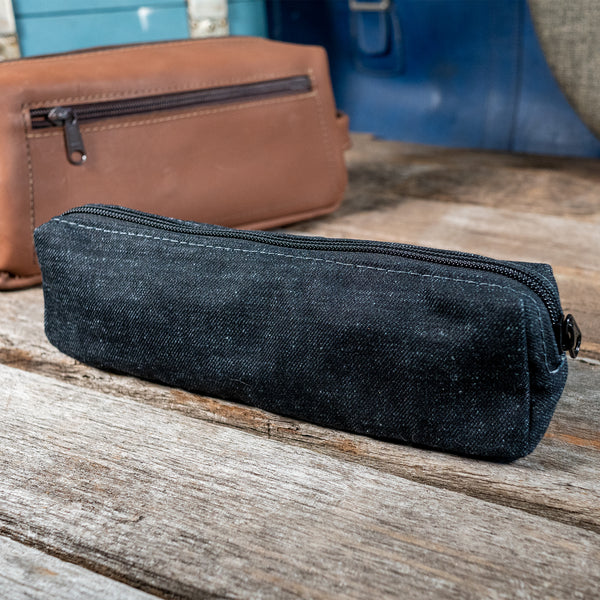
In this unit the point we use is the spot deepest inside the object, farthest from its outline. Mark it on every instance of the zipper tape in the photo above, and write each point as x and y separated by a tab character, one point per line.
69	117
567	333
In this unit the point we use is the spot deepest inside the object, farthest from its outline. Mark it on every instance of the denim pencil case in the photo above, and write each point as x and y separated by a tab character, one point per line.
441	349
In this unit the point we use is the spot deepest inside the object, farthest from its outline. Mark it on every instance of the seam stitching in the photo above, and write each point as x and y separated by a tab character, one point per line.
314	259
325	133
83	55
18	276
178	117
562	358
180	88
30	187
529	396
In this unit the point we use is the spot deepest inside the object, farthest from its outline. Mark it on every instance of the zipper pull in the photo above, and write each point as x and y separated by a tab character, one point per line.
66	117
569	336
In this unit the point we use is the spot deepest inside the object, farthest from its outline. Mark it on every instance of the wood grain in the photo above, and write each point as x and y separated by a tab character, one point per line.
27	573
531	208
560	480
143	484
548	185
193	509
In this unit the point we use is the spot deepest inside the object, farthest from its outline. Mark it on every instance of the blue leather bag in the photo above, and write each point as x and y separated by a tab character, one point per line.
463	73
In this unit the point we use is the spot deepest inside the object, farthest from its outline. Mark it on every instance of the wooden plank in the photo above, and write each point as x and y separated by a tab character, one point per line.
560	480
29	573
540	209
544	184
194	509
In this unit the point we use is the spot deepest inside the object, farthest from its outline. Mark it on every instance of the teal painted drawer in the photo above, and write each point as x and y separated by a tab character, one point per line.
248	17
38	7
68	27
59	26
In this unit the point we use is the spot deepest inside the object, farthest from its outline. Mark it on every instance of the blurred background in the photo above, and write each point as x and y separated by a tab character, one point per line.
511	75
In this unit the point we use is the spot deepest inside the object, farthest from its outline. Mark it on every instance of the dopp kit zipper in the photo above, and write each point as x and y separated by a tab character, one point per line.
69	117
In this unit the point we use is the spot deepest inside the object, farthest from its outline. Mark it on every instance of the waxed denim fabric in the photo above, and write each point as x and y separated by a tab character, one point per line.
444	357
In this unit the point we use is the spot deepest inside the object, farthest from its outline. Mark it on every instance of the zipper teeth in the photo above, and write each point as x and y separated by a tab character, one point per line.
445	257
116	108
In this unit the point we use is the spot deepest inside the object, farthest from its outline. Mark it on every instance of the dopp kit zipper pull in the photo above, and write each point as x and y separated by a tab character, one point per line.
69	117
66	117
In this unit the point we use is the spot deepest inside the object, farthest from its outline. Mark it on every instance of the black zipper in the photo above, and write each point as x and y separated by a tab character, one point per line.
568	335
69	117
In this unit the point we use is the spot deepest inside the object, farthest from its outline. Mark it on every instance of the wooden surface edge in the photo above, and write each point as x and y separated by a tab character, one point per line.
197	510
29	573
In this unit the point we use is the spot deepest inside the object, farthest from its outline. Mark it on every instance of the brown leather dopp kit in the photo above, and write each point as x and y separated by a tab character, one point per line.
231	131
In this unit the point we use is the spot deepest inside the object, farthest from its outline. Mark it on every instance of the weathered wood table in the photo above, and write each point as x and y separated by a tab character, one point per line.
112	487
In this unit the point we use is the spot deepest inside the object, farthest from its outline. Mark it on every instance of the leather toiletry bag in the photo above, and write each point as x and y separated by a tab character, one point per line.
440	349
235	131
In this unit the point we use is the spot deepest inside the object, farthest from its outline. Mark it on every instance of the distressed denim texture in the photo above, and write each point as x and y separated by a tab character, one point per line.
449	358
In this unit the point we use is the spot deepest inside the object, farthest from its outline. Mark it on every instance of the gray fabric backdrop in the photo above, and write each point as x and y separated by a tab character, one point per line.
569	32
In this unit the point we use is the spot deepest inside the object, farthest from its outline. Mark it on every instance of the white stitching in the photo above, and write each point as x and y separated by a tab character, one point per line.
314	259
529	400
562	358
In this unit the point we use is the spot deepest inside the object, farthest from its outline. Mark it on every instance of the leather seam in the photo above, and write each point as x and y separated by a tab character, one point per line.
179	88
323	260
186	115
11	275
8	276
325	133
30	185
136	48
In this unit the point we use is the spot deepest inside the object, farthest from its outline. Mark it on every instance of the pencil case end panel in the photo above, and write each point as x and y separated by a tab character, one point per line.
548	373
